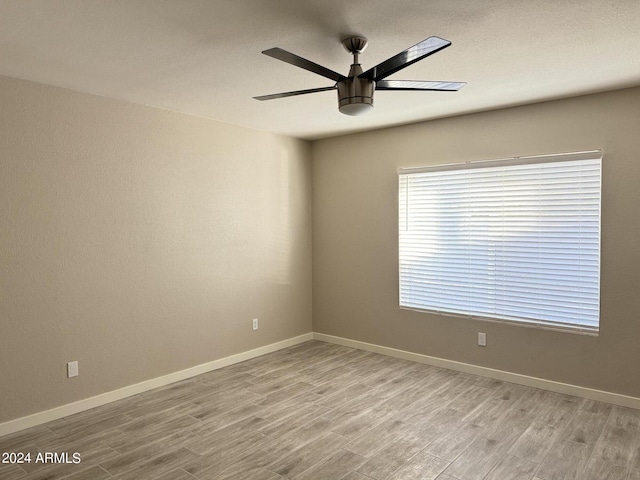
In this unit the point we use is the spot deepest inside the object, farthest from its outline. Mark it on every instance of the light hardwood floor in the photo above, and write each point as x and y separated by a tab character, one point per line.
321	411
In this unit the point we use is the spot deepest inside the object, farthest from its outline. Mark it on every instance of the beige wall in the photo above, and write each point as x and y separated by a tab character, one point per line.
355	286
140	242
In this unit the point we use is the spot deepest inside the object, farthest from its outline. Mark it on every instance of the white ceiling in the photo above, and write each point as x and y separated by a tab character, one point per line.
202	57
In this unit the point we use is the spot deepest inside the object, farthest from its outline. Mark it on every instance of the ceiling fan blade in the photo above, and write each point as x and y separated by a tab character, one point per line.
292	94
289	57
419	85
411	55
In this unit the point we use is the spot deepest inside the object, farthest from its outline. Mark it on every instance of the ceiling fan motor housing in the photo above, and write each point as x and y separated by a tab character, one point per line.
355	94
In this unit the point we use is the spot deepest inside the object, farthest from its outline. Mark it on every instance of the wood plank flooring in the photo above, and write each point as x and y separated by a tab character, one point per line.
321	411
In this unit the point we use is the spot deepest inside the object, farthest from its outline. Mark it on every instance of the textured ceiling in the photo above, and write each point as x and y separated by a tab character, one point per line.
202	57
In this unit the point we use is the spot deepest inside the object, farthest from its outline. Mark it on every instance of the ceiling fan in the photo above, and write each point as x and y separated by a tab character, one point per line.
355	91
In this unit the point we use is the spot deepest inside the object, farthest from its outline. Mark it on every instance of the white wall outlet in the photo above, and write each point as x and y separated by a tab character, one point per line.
255	323
482	339
72	369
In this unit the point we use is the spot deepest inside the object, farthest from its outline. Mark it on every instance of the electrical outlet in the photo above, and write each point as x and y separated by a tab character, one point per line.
482	339
72	369
255	323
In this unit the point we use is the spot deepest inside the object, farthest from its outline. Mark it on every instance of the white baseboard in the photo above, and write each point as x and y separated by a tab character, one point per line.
69	409
39	418
568	389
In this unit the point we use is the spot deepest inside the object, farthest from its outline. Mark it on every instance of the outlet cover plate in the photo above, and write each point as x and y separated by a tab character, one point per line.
72	369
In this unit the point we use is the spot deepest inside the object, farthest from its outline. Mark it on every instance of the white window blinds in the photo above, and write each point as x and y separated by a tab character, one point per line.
517	240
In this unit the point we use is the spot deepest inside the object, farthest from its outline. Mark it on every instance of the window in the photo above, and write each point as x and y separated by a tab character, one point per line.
515	240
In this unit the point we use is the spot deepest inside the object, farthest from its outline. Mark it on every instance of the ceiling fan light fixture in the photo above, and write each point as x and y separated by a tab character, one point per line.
355	94
355	109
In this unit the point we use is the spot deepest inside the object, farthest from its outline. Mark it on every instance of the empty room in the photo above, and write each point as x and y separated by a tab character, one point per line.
267	240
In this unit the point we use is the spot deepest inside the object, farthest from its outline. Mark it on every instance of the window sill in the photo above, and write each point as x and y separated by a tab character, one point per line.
562	328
